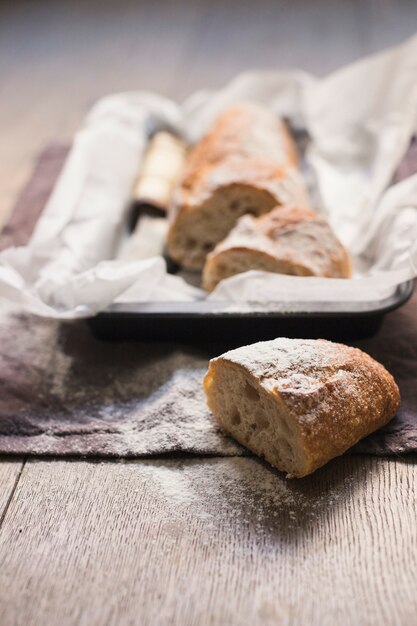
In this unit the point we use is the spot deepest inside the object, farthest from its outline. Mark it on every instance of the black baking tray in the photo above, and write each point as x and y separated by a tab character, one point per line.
202	321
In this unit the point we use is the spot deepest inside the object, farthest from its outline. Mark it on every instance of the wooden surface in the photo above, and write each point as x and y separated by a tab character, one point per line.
209	541
191	541
10	470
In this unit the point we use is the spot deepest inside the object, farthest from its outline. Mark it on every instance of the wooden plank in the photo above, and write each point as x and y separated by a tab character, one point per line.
213	541
10	469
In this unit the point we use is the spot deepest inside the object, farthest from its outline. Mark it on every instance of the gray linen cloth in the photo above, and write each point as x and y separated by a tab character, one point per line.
66	393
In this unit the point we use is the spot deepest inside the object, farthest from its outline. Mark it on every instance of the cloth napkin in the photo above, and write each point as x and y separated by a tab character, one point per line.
64	392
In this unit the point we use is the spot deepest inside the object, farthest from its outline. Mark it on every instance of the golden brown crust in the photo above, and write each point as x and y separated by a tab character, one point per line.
247	147
287	240
244	136
334	394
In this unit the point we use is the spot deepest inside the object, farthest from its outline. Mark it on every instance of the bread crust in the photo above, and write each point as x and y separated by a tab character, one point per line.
333	394
288	240
248	148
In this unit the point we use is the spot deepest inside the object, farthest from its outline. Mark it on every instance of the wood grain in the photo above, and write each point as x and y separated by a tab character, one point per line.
213	541
206	541
10	470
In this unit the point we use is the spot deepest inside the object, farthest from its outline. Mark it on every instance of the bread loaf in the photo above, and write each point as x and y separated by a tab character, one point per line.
247	163
299	403
286	240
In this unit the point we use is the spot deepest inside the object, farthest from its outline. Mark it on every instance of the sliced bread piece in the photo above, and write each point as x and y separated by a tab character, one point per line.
247	163
299	402
287	240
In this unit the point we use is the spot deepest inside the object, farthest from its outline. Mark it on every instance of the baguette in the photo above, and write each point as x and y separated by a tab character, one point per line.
286	240
247	163
299	403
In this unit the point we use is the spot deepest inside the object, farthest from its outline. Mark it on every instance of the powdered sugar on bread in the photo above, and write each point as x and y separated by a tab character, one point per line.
299	402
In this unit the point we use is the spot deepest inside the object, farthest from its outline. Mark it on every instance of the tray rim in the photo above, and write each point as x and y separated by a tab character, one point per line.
219	309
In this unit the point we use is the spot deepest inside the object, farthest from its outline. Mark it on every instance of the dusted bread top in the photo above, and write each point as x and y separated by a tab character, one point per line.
325	397
247	143
307	372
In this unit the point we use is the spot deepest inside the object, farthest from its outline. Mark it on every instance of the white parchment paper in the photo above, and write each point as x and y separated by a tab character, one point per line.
360	121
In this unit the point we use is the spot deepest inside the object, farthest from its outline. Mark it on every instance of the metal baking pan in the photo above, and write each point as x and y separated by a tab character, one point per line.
234	324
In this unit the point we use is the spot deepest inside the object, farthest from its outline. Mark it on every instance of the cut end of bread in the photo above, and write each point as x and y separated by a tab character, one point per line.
287	240
299	403
254	418
194	234
225	264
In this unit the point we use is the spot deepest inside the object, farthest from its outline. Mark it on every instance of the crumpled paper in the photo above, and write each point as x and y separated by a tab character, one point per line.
360	121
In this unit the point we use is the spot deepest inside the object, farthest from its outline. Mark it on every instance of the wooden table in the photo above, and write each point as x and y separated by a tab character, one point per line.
190	541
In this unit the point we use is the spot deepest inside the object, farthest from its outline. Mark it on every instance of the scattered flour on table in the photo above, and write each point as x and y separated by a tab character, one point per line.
238	491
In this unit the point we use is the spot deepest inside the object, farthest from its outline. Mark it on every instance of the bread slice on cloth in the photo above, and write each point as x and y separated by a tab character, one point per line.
299	402
287	240
247	163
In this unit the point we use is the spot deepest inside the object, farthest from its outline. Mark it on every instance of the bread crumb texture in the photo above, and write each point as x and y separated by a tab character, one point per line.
298	402
287	240
247	163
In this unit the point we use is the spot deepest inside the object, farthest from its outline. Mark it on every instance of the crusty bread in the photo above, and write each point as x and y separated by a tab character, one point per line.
287	240
247	163
298	403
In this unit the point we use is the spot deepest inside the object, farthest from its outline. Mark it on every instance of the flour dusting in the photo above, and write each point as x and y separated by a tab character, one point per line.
65	392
